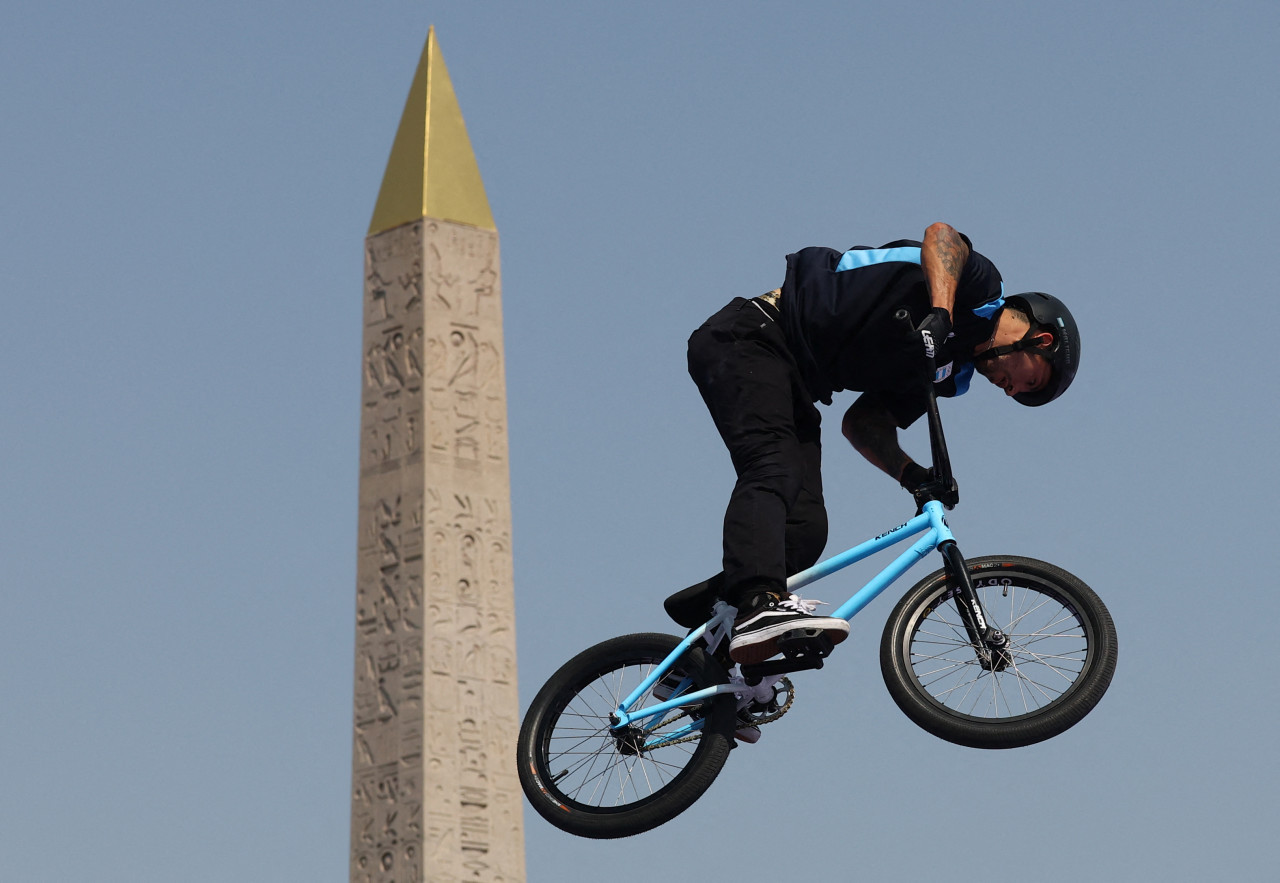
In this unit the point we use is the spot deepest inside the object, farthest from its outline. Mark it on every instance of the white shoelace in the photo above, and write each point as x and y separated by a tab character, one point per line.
796	604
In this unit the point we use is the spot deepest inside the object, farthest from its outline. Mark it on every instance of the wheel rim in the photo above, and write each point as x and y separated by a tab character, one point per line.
580	760
1049	651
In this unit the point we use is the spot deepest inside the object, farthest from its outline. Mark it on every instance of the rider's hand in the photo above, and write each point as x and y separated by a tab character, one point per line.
924	486
934	331
913	476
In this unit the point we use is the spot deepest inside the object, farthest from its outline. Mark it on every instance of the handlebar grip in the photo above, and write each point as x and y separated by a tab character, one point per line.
903	316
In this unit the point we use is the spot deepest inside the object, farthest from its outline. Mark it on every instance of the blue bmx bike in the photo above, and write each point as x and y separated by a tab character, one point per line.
992	652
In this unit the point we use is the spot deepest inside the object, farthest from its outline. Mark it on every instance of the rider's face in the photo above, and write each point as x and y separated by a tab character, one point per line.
1015	373
1023	371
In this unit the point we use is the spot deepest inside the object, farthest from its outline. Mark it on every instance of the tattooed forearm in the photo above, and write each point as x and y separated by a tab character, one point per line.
943	258
871	429
952	251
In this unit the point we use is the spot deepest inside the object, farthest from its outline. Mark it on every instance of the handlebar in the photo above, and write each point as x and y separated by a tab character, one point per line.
937	441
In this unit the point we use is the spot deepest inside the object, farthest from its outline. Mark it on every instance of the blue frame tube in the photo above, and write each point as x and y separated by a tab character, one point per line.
859	552
630	717
904	562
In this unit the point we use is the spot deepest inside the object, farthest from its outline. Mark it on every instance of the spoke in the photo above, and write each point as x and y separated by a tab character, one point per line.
997	693
644	768
1029	638
1014	620
957	629
597	687
1048	692
629	767
598	778
937	674
1076	656
947	640
581	741
973	683
965	684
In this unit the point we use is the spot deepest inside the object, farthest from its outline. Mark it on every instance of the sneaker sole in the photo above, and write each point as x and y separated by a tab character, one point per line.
763	644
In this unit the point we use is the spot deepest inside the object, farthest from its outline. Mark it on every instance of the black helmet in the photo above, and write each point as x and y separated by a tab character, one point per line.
1045	312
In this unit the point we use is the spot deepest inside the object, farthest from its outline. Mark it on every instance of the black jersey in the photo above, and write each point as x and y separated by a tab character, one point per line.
838	307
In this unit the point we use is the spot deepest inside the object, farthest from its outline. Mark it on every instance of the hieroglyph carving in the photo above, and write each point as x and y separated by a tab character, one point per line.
434	795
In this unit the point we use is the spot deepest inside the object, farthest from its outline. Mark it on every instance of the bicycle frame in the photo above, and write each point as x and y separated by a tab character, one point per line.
937	535
931	522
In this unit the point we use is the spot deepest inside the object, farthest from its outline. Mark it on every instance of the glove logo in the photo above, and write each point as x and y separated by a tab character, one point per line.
929	349
943	372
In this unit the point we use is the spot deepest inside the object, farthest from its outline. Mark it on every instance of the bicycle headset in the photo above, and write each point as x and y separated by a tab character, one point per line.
1046	312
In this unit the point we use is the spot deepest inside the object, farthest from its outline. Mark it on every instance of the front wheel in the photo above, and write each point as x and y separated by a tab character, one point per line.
1059	662
595	782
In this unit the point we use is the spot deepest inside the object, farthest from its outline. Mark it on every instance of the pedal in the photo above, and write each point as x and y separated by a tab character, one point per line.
805	643
754	672
802	649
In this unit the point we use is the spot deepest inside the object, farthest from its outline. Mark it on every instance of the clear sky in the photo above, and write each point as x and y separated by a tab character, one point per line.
184	194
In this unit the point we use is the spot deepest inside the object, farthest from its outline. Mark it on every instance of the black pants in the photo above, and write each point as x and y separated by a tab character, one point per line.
776	522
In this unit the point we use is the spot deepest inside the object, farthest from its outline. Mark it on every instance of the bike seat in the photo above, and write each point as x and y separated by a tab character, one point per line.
692	607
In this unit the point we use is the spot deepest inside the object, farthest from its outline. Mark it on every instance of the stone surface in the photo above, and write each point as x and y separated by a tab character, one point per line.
434	789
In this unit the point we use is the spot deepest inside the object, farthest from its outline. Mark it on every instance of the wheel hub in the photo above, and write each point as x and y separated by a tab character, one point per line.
630	740
995	656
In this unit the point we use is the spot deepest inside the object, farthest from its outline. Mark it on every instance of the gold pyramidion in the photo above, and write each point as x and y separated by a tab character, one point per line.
432	172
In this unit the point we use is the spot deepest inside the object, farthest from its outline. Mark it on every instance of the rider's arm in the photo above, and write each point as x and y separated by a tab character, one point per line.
943	256
873	431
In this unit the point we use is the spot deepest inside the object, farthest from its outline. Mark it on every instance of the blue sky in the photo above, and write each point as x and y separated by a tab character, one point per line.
186	189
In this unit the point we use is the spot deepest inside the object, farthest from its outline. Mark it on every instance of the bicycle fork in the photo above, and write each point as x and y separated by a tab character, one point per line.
989	643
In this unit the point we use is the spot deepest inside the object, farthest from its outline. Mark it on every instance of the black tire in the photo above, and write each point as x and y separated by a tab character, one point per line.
1062	655
571	767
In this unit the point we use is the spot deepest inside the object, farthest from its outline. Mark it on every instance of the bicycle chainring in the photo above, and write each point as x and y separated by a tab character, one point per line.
758	713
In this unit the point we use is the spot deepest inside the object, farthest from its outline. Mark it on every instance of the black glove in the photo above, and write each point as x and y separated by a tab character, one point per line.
924	486
913	476
934	331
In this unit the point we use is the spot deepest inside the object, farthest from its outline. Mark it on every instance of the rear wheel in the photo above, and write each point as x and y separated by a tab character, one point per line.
589	780
1059	662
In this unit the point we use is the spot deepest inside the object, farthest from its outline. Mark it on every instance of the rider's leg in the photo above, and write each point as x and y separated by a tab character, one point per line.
804	539
741	365
806	533
752	387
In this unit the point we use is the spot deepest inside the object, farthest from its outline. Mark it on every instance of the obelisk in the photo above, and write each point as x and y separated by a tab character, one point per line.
434	791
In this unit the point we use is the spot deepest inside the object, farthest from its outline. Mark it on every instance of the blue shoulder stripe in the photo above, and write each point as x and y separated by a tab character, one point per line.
987	310
962	377
866	257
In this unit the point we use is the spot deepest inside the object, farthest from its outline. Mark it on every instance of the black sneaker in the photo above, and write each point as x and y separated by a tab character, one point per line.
746	731
768	616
